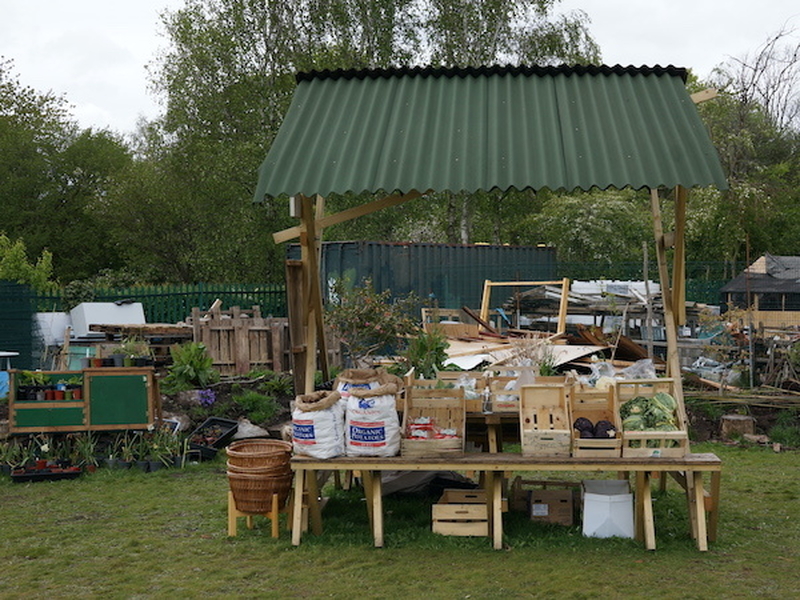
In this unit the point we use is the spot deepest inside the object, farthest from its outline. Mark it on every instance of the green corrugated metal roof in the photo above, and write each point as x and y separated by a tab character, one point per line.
492	127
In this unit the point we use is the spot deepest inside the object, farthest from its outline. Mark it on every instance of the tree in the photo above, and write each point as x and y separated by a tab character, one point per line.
15	266
227	80
598	227
50	175
754	126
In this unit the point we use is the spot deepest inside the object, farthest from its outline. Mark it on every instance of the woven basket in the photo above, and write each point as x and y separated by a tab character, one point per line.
259	453
272	470
253	493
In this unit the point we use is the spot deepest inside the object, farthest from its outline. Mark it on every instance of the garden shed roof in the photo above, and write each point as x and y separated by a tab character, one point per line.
566	127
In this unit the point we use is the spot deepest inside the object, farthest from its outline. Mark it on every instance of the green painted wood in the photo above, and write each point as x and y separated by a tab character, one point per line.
49	417
118	400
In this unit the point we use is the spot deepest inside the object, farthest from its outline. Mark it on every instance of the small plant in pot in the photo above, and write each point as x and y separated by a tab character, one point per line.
136	352
31	385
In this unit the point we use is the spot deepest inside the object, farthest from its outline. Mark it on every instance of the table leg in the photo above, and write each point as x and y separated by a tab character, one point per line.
366	482
492	435
377	509
713	513
699	509
314	511
297	506
638	515
647	513
690	502
497	510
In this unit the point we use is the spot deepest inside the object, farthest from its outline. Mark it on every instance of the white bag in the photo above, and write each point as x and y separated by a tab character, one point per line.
372	426
318	425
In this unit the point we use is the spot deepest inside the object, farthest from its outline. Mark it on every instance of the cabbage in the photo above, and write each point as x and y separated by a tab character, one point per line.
634	423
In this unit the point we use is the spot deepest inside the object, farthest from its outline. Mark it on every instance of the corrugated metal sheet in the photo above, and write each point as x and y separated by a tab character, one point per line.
450	274
470	129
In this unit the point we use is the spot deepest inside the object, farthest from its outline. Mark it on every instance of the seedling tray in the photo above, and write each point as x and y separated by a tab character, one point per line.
213	434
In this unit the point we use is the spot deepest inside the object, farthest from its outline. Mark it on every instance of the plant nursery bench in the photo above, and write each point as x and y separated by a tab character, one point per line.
688	470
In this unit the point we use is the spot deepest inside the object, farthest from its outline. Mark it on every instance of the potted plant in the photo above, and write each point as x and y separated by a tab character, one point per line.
31	385
136	352
83	451
126	451
75	387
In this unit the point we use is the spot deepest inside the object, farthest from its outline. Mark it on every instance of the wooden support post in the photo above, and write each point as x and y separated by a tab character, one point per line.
487	293
679	259
312	309
297	329
673	359
562	307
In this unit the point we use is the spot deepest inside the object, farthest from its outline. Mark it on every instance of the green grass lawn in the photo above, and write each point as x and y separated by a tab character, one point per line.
115	534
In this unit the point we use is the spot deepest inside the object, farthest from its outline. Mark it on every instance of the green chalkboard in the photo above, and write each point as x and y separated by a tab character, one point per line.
118	400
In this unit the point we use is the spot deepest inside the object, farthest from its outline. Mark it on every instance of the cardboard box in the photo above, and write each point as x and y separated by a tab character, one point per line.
551	506
607	508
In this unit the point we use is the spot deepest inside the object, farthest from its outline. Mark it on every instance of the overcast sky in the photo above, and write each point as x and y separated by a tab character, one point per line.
95	51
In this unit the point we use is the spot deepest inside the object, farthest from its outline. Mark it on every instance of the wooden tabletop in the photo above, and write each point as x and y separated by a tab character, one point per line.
509	461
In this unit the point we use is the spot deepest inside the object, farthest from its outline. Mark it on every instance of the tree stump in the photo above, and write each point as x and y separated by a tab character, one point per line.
737	426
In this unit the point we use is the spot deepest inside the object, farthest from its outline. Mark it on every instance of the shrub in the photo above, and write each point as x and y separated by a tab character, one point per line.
192	368
260	408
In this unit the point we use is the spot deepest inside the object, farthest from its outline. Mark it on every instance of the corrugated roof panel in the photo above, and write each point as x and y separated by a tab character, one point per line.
473	129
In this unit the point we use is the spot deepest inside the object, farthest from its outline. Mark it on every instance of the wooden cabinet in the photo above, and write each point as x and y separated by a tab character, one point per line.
110	399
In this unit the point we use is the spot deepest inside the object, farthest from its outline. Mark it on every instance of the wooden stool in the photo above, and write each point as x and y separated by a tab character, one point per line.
234	514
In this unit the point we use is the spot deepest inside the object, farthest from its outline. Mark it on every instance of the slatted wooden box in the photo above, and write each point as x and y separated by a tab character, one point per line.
545	426
445	408
450	378
596	405
503	400
461	512
652	444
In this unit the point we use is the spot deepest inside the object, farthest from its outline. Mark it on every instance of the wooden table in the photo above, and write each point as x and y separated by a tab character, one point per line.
687	470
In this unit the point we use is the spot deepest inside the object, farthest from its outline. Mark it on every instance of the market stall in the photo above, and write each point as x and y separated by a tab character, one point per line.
406	132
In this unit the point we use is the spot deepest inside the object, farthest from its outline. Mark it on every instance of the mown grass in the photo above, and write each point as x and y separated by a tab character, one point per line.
116	534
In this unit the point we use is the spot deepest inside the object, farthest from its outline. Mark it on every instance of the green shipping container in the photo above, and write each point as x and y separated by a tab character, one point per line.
452	275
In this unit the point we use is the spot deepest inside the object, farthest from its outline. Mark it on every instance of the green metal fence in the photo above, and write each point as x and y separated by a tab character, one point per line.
173	303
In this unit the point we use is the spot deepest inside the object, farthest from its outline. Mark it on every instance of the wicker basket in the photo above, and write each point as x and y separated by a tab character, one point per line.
259	453
253	493
272	470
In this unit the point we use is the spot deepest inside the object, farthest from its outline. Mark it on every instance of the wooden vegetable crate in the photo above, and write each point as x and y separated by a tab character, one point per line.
445	409
652	444
461	512
596	405
545	427
450	378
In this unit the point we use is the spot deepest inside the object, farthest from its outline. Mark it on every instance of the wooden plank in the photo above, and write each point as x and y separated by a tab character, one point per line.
276	347
346	215
704	95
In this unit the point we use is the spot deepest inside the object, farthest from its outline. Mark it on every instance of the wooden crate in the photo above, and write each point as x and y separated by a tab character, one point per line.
503	400
461	512
596	405
652	444
445	407
449	378
545	427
